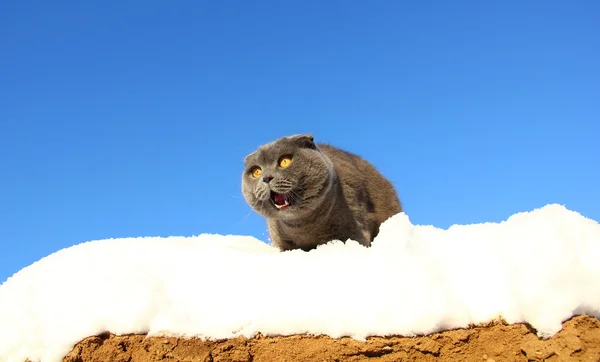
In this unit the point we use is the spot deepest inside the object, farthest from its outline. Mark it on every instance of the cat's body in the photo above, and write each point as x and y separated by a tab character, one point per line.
312	193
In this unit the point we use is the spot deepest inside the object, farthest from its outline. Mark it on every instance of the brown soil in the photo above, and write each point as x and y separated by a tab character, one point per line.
578	341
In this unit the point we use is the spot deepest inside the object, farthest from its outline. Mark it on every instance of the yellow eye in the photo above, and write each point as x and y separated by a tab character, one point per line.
256	172
285	161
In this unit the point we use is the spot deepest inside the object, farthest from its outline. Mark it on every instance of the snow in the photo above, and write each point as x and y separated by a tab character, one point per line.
540	267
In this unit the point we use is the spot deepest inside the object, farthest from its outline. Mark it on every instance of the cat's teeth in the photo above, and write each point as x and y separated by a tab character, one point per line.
285	204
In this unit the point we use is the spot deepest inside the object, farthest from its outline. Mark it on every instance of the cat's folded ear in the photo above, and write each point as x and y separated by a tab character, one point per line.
248	157
303	140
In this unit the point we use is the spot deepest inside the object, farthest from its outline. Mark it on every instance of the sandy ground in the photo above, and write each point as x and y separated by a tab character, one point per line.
578	341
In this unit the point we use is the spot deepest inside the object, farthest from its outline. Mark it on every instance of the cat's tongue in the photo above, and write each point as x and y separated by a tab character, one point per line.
279	199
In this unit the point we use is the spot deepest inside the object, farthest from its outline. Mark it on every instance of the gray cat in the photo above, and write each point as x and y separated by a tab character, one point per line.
314	193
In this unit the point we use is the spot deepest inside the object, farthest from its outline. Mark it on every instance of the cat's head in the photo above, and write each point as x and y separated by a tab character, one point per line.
287	178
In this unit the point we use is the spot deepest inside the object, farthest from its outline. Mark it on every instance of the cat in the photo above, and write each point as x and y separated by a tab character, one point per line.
311	193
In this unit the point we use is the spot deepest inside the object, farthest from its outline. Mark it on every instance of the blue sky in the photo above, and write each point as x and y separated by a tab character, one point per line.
132	118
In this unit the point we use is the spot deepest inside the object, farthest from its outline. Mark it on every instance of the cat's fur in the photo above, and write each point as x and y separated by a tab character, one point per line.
332	194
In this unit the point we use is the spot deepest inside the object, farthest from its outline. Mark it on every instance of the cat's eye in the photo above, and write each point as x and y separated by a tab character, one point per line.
256	172
285	161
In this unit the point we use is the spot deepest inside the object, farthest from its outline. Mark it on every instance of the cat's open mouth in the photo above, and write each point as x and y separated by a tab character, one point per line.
281	201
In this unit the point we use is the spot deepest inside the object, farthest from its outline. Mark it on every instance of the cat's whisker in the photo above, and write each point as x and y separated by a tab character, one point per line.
243	220
295	196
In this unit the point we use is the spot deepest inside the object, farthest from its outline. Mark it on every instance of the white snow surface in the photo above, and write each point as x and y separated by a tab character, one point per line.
540	267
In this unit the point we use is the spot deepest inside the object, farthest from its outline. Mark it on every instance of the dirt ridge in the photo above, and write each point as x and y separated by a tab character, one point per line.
579	340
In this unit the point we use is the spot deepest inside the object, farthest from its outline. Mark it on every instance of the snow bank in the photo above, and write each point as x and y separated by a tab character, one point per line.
540	267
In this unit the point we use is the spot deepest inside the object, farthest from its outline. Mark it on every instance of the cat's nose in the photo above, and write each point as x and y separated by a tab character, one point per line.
267	179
